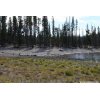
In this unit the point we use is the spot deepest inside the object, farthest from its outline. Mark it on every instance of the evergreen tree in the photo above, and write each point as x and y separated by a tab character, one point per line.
94	38
53	31
19	35
69	34
88	38
30	31
98	36
64	36
49	34
0	28
45	31
58	37
76	32
10	32
79	41
15	31
72	31
3	31
39	34
35	29
26	30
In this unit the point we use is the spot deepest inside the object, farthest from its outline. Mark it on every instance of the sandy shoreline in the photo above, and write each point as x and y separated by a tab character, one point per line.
42	52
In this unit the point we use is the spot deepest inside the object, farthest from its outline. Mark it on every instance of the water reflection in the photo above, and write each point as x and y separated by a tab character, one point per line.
85	56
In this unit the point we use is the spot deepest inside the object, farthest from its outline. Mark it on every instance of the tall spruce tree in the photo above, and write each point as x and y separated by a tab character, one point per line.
30	31
0	28
3	31
53	31
20	27
39	35
35	29
72	31
88	39
98	36
15	31
10	31
49	34
45	31
94	38
76	24
26	30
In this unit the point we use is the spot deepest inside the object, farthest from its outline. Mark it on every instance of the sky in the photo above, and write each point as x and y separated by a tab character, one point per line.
90	20
82	21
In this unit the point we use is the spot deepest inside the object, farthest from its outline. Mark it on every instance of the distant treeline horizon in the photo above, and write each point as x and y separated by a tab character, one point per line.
30	31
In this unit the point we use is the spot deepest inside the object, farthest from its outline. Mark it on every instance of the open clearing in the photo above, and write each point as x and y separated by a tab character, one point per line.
42	70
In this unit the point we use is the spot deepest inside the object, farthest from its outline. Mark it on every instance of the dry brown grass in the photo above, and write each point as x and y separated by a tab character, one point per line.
40	70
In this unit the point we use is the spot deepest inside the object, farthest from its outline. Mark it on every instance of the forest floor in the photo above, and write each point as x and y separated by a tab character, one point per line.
14	52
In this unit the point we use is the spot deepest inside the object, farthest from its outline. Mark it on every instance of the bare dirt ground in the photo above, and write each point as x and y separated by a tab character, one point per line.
13	52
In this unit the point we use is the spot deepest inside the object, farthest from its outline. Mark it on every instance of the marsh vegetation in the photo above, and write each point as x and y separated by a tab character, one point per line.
40	70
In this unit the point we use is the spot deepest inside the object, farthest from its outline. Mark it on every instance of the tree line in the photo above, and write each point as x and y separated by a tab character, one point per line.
31	31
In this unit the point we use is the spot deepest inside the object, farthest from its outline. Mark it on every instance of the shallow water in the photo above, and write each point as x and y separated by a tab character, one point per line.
85	56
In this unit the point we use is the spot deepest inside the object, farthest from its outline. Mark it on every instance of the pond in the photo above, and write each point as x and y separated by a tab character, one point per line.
85	56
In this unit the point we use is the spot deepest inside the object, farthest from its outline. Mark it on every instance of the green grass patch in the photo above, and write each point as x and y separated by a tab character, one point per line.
39	70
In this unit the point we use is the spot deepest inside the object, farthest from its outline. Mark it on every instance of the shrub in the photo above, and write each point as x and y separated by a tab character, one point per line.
69	73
